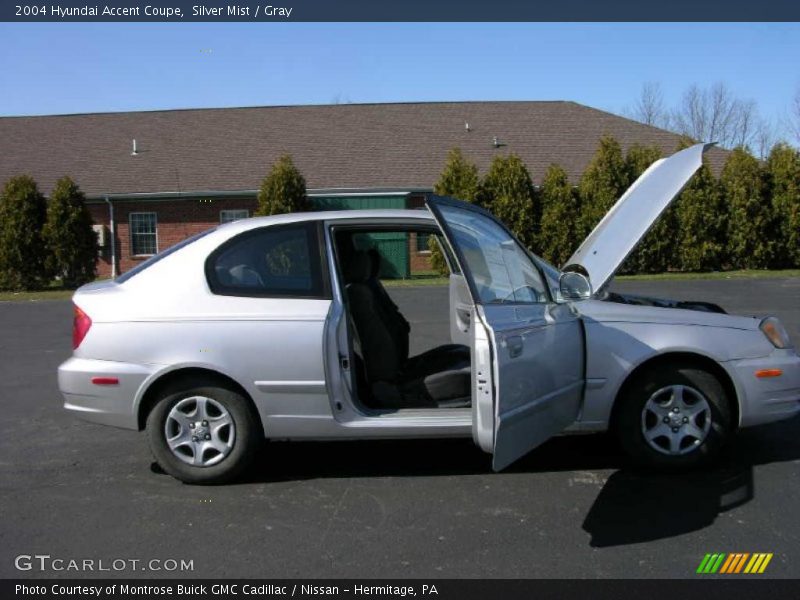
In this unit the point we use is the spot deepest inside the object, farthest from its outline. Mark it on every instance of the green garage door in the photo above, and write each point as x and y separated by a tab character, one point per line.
393	247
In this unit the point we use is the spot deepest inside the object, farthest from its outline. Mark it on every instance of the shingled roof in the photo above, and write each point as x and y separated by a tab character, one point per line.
361	146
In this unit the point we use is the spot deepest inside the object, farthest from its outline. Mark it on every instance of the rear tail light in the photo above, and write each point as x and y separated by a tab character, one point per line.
80	326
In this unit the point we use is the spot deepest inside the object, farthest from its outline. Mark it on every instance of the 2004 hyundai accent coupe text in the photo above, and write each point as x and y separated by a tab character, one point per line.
279	327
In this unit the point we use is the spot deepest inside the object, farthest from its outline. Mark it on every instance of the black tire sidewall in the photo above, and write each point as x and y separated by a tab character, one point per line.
629	415
245	443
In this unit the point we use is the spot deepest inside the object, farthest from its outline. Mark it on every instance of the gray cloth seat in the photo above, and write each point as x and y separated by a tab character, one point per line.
439	377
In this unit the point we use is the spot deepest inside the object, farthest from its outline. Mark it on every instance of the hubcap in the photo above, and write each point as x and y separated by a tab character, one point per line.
676	420
200	431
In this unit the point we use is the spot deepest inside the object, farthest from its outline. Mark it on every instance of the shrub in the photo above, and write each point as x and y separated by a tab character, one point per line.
68	236
438	262
602	183
507	191
783	186
702	221
558	237
751	224
656	252
22	251
283	190
459	179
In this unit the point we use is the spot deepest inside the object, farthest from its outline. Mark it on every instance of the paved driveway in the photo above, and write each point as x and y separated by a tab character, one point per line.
573	508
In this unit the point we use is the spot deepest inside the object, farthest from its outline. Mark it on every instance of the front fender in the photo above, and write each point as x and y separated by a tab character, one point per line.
616	349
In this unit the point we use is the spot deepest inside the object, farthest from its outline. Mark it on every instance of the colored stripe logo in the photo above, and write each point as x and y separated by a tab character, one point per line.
737	562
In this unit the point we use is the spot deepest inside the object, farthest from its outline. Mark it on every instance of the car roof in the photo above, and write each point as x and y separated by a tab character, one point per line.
329	215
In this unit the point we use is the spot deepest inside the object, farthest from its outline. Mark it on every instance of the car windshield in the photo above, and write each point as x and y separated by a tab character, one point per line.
154	259
551	272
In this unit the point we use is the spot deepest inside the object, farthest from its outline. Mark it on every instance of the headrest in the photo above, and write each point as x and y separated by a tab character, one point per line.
358	267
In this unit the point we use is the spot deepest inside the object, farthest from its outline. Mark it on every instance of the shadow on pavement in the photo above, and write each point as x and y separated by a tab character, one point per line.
636	506
291	461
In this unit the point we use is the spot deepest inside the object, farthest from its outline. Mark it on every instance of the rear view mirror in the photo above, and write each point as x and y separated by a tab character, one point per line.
574	286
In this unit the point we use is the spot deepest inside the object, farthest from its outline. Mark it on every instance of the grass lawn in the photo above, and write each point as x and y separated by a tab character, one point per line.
37	295
745	274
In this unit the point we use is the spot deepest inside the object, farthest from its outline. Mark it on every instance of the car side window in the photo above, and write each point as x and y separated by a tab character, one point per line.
279	261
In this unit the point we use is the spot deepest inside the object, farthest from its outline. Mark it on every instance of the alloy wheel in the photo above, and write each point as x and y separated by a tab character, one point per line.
200	431
676	420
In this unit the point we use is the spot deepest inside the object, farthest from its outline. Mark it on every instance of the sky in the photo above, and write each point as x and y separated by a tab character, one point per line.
77	68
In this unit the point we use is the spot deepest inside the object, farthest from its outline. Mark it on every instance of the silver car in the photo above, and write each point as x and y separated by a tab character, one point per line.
279	328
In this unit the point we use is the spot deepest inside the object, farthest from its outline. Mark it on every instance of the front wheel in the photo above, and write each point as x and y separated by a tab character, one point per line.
674	416
202	433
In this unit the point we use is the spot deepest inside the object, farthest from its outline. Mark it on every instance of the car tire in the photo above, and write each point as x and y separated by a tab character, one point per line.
674	416
227	430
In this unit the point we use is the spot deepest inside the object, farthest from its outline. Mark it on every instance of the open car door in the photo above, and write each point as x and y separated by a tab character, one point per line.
527	351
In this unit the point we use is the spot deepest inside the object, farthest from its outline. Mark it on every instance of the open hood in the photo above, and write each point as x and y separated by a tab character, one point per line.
623	227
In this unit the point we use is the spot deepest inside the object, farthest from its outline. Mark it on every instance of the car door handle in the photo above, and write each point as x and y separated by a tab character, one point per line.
515	346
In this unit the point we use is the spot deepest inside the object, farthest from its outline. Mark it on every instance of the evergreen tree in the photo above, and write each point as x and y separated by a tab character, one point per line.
70	241
507	191
437	260
702	216
459	179
783	184
560	208
283	190
656	252
602	183
22	252
751	226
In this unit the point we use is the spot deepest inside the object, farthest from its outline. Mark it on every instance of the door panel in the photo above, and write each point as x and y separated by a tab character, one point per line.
461	309
528	352
540	366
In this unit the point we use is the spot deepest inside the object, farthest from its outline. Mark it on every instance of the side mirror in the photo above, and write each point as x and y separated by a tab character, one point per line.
574	286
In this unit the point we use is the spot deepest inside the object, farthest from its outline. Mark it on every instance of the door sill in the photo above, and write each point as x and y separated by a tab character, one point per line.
457	418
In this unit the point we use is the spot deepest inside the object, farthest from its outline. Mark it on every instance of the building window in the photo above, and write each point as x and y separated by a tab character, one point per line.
228	216
144	236
422	242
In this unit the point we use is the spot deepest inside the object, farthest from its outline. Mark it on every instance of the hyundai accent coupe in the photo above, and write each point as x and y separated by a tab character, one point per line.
279	328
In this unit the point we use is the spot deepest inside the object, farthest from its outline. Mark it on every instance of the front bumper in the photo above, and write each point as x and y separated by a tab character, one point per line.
764	400
106	404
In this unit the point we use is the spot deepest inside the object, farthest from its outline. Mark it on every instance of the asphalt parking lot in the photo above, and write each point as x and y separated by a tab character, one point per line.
572	508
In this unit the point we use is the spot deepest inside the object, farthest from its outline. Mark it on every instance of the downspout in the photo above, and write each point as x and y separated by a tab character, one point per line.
112	238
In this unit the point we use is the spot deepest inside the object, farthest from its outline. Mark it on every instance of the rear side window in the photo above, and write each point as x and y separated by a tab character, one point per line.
277	261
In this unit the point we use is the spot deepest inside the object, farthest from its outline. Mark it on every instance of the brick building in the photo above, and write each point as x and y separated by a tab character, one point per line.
154	178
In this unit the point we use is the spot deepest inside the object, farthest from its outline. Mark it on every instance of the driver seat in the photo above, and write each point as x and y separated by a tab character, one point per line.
440	377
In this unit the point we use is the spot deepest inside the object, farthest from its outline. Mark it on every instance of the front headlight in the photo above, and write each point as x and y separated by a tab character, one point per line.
775	332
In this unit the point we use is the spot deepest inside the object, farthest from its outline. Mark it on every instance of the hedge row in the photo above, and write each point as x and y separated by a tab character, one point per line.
41	241
747	218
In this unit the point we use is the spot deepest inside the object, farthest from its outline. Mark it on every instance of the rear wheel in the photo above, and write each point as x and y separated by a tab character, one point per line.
674	416
203	433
